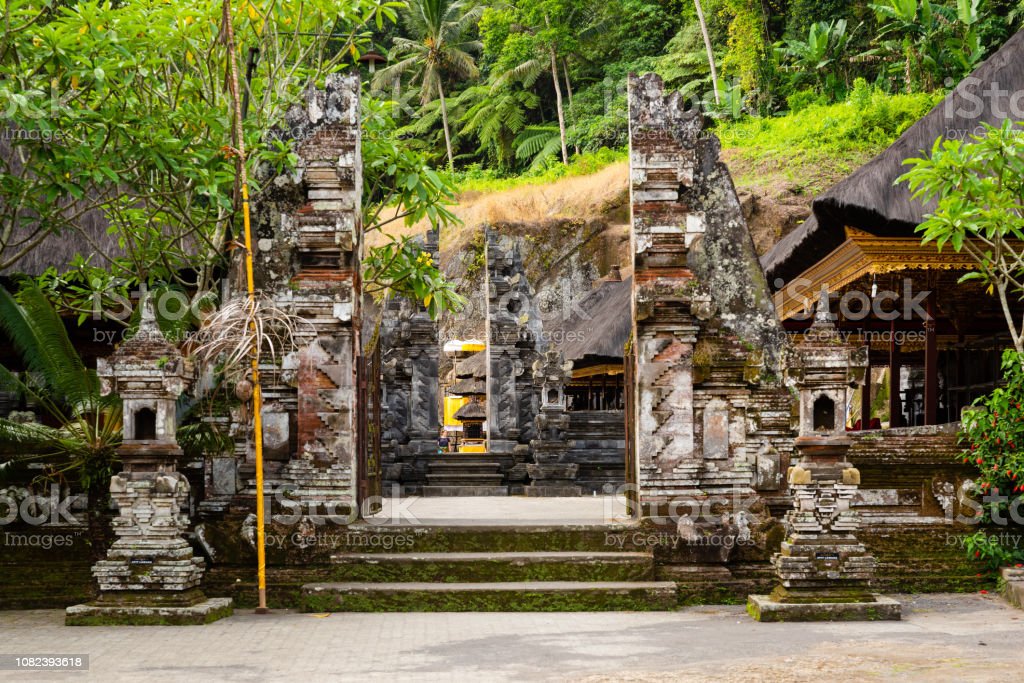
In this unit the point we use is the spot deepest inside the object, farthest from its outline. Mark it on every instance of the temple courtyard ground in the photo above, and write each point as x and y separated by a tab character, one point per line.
942	638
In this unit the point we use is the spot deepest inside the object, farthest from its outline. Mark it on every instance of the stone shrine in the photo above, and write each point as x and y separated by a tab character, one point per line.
825	573
150	575
550	473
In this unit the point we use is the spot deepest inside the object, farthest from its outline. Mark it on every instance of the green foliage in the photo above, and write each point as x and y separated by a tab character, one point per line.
400	186
539	144
923	43
684	66
129	105
477	179
821	59
978	186
748	56
406	270
435	50
992	433
495	117
83	427
818	133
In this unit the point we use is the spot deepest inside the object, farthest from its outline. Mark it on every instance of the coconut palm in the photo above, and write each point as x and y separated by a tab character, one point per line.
436	51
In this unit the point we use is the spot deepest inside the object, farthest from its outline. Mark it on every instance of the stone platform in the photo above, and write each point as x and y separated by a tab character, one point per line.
765	608
205	612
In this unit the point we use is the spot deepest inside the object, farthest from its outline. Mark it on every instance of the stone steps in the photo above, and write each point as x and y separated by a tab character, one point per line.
518	596
545	569
465	475
458	567
369	538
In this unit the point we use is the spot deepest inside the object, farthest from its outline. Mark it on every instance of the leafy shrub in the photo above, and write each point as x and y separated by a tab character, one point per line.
475	179
992	433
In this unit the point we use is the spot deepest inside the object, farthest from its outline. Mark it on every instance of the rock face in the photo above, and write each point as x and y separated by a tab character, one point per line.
711	412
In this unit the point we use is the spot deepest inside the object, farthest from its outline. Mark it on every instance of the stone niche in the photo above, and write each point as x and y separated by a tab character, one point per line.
713	418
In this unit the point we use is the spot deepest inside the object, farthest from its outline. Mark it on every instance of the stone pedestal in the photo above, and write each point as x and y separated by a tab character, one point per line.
150	575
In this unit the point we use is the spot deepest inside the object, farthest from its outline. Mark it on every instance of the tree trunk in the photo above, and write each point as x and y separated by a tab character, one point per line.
558	105
97	520
558	96
568	91
707	46
447	133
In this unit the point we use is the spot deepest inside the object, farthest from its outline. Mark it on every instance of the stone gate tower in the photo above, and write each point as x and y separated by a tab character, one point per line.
712	417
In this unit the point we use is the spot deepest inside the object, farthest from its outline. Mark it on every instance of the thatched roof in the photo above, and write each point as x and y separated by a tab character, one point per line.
469	387
56	249
474	410
601	328
868	200
472	366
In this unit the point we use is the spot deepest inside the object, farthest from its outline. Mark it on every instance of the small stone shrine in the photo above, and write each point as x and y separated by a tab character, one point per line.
550	474
825	573
150	575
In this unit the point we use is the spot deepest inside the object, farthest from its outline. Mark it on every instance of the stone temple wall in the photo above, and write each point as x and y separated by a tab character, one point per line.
712	415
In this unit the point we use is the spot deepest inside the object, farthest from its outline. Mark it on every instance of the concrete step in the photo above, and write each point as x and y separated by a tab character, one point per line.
458	567
446	489
389	538
524	596
472	479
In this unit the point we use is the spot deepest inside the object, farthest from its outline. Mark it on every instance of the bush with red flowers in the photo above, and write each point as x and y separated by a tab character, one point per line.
993	435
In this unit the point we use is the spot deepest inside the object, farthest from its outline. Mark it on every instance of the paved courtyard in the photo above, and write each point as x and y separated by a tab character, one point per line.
943	638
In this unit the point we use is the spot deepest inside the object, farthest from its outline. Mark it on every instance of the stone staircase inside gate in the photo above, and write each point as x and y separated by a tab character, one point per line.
465	474
506	569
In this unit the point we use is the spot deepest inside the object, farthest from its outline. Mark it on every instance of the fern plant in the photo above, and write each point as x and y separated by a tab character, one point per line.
495	118
538	144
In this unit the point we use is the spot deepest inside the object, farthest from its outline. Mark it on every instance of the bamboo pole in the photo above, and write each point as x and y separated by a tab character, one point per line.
257	397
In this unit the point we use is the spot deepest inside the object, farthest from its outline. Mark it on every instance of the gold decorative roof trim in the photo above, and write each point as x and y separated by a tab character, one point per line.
865	254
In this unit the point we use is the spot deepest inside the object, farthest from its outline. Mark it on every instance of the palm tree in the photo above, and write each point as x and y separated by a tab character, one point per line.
436	51
528	71
495	118
81	447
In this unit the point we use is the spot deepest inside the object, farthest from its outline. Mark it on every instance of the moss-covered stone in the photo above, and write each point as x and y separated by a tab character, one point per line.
584	599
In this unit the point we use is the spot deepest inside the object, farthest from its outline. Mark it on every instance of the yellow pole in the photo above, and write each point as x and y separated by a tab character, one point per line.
257	397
